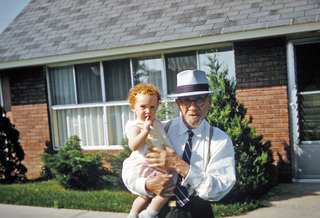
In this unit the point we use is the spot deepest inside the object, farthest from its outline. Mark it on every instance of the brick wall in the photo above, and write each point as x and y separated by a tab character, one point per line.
262	87
30	114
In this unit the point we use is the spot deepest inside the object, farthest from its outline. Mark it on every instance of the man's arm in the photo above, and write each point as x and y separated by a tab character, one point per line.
219	177
212	184
159	185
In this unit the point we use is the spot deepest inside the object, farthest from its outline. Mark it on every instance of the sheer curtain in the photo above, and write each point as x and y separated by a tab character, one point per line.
178	62
62	85
117	117
86	123
117	79
88	83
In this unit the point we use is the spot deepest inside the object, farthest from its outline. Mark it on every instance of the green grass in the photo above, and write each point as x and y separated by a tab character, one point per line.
50	194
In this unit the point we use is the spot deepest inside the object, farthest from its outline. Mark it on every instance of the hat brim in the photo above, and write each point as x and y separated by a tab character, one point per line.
185	94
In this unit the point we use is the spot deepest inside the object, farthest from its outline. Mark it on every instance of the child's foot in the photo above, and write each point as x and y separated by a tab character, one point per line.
133	214
145	214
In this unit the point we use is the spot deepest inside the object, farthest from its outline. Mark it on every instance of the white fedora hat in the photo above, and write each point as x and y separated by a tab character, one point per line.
192	82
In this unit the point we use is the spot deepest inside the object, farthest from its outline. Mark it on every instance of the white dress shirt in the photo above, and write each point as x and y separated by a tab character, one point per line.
210	180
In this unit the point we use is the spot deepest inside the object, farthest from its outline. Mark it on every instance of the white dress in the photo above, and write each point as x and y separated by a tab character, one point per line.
136	162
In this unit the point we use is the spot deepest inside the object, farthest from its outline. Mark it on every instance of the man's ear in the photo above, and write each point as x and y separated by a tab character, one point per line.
178	103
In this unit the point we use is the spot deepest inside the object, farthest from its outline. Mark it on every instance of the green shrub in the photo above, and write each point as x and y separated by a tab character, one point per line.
254	159
11	152
77	170
116	162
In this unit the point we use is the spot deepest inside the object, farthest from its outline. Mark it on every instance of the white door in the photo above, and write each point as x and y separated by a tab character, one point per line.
304	101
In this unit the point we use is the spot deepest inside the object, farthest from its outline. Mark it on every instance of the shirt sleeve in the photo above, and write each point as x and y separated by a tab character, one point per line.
219	177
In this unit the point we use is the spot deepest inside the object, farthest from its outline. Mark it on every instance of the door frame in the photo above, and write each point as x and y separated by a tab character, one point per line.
298	147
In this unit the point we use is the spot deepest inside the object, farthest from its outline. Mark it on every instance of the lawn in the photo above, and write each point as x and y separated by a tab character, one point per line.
50	194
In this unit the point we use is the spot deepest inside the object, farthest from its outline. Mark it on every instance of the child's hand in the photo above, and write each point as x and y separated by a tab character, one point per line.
147	123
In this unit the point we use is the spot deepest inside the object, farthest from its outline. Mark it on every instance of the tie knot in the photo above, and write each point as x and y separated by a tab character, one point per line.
190	133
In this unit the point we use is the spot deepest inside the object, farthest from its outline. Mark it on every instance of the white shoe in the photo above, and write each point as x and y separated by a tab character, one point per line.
133	215
144	214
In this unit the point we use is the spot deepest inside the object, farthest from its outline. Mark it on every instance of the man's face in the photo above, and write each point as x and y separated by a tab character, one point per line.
194	109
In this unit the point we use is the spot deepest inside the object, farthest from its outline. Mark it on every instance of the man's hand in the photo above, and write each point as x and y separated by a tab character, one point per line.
161	185
167	159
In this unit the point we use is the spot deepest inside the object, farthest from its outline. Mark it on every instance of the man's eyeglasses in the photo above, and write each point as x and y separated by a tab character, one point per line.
186	102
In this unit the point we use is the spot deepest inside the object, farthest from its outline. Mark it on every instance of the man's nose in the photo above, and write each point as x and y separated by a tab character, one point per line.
193	104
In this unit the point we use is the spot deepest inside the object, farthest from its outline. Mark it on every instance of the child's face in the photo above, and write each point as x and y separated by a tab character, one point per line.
146	106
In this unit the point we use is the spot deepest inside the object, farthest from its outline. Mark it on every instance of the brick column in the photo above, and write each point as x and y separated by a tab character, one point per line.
261	74
32	123
30	114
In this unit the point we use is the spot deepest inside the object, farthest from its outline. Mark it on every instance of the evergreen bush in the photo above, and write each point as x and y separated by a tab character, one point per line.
116	163
254	160
11	152
74	169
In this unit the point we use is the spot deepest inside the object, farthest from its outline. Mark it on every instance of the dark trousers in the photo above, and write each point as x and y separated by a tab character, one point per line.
196	207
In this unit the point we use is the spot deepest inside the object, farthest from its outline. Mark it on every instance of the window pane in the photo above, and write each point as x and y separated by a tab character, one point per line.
308	67
167	111
62	85
117	117
176	63
308	81
309	117
117	79
225	58
88	83
87	123
148	70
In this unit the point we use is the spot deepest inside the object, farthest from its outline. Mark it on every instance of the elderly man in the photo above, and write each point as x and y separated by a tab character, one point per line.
202	161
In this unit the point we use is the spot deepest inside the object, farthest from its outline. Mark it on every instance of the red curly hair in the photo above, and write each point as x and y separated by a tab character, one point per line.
146	89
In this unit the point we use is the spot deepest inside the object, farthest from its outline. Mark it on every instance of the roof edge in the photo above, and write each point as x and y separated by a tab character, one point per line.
169	45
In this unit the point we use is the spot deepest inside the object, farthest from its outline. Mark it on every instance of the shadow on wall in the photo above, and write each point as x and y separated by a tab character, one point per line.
284	165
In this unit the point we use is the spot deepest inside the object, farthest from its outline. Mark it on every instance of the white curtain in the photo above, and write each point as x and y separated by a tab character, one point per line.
62	85
88	83
176	63
87	123
117	117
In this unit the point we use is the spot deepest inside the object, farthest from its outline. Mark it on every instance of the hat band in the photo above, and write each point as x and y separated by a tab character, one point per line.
192	88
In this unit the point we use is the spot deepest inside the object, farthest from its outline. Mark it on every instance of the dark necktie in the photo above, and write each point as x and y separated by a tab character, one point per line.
181	192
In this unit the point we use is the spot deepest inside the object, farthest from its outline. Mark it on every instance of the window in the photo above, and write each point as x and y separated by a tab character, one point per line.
176	63
117	79
148	70
89	100
308	84
5	98
88	80
225	57
62	85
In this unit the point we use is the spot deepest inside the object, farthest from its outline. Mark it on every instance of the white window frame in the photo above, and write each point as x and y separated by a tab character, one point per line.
105	104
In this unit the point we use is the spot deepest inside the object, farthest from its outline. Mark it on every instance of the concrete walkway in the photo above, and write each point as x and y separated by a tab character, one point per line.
290	200
285	200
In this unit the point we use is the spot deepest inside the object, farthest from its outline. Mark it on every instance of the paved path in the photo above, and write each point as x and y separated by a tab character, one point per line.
290	200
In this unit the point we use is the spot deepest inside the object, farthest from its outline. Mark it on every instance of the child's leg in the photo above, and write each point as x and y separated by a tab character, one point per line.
138	205
154	207
158	202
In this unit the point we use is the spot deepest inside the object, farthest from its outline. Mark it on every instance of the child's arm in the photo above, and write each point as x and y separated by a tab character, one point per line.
138	136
